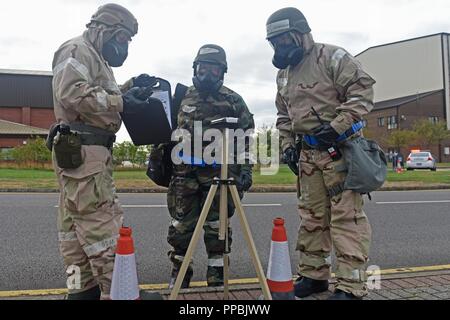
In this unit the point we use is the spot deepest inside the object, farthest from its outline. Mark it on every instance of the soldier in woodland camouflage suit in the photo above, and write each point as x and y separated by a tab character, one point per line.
321	81
88	100
208	99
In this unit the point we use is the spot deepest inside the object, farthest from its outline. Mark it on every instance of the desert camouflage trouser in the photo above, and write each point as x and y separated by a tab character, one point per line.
330	216
89	218
186	196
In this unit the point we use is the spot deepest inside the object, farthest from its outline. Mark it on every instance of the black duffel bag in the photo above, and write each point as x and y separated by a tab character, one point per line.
160	165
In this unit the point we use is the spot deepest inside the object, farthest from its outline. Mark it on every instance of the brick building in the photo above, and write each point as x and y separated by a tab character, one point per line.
413	83
26	105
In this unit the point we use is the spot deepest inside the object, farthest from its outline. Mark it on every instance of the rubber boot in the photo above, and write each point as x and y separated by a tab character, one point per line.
145	295
214	276
90	294
304	286
342	295
186	280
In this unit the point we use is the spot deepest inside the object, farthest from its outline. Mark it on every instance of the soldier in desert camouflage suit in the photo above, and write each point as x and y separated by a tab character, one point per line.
88	99
208	99
331	81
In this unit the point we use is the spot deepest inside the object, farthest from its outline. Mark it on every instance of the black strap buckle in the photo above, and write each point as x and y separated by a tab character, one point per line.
227	182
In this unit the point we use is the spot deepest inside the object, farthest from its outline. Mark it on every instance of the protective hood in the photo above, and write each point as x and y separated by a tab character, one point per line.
101	37
98	35
307	42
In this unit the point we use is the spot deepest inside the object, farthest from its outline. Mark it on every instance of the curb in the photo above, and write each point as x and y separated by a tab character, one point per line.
233	287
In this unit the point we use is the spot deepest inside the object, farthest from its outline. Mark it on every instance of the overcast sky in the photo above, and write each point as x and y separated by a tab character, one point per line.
171	31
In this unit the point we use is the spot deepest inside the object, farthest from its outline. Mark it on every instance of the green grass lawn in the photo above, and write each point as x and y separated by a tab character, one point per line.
284	176
425	176
26	174
29	178
443	164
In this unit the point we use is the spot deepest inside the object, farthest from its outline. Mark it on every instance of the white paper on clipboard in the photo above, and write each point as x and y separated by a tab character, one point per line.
164	97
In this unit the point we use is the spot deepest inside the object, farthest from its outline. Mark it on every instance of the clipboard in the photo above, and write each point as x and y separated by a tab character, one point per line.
152	125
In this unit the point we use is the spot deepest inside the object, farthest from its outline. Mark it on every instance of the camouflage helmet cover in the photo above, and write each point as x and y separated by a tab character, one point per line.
213	54
284	20
112	14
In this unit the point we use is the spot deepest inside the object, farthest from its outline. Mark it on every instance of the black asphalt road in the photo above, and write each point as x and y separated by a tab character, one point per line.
409	229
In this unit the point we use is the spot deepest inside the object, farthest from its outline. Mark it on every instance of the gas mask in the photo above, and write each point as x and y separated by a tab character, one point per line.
208	77
287	51
115	50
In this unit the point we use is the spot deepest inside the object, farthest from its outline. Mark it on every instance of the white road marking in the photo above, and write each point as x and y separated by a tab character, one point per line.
413	202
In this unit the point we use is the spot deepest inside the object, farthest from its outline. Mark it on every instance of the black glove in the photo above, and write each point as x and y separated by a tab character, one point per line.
144	80
290	156
325	135
245	178
135	100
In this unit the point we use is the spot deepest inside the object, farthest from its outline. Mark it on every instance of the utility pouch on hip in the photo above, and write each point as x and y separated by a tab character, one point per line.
68	150
366	164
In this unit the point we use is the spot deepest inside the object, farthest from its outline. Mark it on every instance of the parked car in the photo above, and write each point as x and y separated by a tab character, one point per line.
421	160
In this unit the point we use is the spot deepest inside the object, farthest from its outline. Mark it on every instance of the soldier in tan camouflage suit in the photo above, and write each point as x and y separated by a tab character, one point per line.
322	81
88	100
208	99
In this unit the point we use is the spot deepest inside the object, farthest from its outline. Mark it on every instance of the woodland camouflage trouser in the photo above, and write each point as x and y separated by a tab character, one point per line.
186	196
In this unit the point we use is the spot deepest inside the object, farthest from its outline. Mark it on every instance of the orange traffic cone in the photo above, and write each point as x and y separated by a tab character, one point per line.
399	167
279	273
124	282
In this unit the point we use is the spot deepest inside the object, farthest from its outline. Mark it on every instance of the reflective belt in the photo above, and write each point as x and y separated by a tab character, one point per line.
217	262
213	224
196	162
357	126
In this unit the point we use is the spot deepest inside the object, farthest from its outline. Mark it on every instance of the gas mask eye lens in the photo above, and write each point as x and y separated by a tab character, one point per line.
122	37
213	69
282	40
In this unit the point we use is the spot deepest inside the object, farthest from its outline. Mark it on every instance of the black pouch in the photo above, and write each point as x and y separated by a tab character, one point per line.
68	150
160	165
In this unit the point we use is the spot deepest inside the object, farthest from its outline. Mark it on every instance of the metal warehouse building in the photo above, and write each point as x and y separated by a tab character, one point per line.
26	106
413	82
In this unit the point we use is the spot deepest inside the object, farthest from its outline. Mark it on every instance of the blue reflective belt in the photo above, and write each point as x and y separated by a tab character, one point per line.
312	141
195	161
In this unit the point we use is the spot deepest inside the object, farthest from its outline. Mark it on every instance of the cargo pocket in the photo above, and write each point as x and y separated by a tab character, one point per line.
82	194
181	197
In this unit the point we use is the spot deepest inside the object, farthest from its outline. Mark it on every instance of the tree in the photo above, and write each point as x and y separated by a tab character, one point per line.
401	138
424	131
119	153
440	133
127	151
429	133
264	141
34	150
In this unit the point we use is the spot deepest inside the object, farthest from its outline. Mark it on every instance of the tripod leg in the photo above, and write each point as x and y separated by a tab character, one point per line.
193	243
226	272
223	212
224	222
250	243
